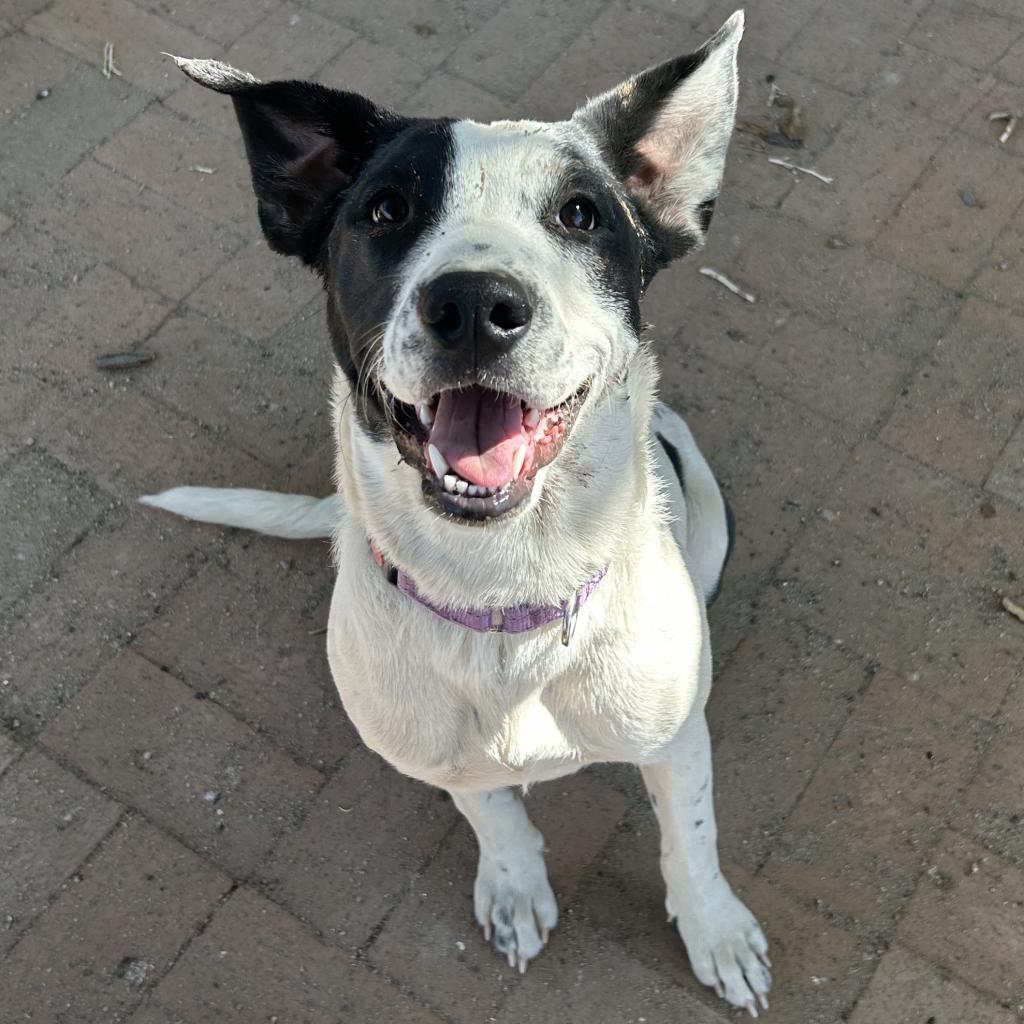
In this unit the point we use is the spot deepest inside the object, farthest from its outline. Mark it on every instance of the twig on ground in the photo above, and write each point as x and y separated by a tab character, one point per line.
803	170
1013	608
201	169
1011	120
723	280
109	67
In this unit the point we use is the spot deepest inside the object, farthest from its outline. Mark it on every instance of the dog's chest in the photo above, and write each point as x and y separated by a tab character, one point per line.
460	709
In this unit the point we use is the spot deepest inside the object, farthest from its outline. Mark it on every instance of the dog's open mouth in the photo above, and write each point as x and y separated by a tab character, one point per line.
479	450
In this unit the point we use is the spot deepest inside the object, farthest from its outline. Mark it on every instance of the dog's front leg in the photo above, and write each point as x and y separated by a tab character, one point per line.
727	948
512	898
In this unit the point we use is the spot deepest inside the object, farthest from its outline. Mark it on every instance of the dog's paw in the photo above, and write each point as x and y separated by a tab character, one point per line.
728	951
515	907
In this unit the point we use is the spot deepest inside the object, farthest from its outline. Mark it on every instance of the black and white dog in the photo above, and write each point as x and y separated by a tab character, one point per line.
522	585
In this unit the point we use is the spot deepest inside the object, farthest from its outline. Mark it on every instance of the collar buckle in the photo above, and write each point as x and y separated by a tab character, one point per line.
570	616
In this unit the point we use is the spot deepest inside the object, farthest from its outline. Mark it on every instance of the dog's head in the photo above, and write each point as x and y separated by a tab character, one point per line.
483	281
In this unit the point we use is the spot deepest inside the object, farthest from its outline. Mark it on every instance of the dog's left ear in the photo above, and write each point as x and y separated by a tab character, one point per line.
306	144
665	133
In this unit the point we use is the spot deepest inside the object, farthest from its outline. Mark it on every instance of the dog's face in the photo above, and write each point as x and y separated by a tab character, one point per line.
483	281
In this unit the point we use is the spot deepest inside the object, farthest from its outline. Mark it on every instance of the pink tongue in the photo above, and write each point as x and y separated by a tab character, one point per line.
478	432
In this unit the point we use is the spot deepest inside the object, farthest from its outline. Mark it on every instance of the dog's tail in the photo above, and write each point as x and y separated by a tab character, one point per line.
294	516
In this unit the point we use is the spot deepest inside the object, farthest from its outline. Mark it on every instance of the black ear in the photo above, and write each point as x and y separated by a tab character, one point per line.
305	143
665	133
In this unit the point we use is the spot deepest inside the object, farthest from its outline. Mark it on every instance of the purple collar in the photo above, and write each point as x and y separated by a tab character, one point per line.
519	619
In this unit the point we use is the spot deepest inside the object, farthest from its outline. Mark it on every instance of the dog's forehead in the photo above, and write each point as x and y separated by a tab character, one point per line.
513	161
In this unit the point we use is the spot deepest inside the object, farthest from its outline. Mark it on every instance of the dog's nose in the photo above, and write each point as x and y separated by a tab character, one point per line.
486	312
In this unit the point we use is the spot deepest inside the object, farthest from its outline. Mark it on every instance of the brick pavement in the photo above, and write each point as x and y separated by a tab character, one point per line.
188	831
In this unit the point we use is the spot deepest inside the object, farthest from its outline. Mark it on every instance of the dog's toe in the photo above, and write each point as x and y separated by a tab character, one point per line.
729	953
516	910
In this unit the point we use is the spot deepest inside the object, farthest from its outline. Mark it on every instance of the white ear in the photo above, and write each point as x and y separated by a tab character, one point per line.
665	133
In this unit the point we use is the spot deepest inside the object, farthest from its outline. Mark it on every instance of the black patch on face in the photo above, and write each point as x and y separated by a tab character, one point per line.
364	258
621	255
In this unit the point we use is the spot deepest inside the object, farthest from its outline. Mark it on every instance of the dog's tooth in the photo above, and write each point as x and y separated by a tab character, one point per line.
425	414
474	491
449	482
531	419
461	486
517	462
437	463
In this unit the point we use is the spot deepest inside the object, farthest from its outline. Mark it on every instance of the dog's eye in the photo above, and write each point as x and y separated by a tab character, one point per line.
389	208
578	214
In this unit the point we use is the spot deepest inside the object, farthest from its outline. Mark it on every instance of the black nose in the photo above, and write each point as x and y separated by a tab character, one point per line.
487	313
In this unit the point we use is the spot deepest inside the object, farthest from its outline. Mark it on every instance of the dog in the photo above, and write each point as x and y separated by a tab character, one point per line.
526	539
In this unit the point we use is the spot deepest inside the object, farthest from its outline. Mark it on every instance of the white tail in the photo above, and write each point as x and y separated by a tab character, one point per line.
295	516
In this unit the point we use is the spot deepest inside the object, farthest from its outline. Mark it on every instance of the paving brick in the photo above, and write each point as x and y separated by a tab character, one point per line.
256	962
962	407
487	59
53	135
259	659
862	832
788	263
965	33
101	311
747	171
187	764
774	712
993	807
423	31
915	83
605	986
845	45
161	151
51	822
575	816
33	539
968	917
292	42
9	750
256	291
115	929
223	22
16	11
830	371
270	398
384	75
1011	67
571	74
997	280
159	244
1007	476
898	506
444	95
818	969
86	609
770	27
771	474
83	27
875	163
947	225
937	628
33	267
26	66
906	990
367	834
132	445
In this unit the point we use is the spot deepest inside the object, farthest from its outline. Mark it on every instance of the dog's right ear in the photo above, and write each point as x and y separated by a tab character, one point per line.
306	144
